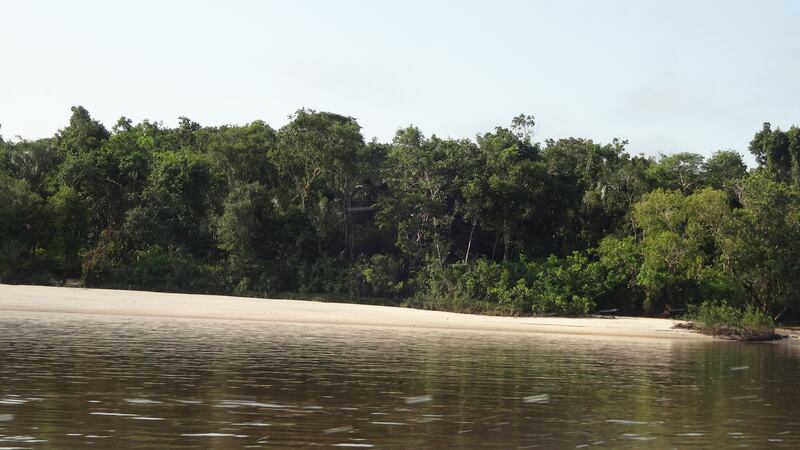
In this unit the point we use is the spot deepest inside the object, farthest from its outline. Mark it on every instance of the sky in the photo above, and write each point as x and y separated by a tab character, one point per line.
668	76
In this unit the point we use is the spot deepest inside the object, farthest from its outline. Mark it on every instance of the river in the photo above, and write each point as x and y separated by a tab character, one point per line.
79	381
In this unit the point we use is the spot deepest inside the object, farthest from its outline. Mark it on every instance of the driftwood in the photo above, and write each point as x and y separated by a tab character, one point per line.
604	314
670	313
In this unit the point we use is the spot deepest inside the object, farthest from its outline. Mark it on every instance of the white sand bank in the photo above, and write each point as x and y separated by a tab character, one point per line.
139	303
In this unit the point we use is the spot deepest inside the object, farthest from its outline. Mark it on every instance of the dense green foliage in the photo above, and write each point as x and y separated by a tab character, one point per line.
721	319
498	224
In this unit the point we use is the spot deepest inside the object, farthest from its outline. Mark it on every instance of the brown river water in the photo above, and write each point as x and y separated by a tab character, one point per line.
76	381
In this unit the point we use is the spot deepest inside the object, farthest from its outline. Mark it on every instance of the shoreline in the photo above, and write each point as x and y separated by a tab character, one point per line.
67	300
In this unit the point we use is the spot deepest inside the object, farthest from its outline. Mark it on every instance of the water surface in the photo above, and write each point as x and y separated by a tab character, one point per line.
75	381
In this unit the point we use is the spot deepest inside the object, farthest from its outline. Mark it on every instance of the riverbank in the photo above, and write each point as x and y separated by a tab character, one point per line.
66	300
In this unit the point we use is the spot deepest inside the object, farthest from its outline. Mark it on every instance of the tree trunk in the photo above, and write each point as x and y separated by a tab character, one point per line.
669	295
347	237
469	244
780	314
505	243
436	243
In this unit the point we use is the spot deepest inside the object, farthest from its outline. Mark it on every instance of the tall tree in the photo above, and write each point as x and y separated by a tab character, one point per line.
778	152
682	171
34	162
323	156
512	186
23	226
722	167
761	248
678	237
419	203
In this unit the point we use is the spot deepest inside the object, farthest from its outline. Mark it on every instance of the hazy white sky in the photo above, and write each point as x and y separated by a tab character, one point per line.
669	76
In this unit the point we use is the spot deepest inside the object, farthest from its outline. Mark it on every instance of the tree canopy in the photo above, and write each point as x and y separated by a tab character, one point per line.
500	223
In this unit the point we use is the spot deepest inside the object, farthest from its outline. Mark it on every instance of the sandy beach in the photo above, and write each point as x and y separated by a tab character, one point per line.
65	300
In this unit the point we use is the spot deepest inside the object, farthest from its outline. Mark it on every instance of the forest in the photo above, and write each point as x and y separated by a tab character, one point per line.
498	224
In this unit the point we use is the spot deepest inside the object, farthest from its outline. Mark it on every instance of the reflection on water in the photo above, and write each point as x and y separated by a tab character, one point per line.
111	382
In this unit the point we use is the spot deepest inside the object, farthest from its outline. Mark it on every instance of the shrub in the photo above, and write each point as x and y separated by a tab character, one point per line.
325	275
557	286
171	269
480	287
378	276
247	276
99	261
721	319
567	286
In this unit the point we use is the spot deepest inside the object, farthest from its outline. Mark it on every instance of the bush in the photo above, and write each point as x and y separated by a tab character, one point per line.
325	275
555	286
378	277
567	286
152	268
247	276
99	261
19	265
477	288
720	319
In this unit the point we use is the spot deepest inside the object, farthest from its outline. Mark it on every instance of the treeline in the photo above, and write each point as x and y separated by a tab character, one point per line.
499	224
